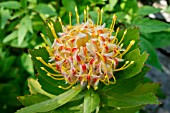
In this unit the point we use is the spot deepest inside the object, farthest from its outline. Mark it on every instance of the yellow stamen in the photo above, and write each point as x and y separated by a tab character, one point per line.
105	68
85	15
77	15
126	65
75	62
114	82
98	17
61	23
59	19
70	14
117	31
117	52
122	37
55	78
100	56
95	88
65	88
88	86
121	68
132	62
48	73
129	46
113	23
53	64
106	83
48	49
48	65
51	26
101	16
76	88
42	35
87	12
107	79
115	39
120	54
42	61
121	45
90	70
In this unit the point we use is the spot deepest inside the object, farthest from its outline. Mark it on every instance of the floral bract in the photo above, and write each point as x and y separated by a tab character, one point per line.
86	53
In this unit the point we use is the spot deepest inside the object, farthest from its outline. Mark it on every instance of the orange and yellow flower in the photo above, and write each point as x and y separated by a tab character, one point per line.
86	53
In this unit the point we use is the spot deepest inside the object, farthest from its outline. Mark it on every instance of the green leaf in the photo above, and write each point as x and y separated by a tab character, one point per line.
25	26
17	14
8	63
125	101
127	85
45	9
93	15
69	5
110	6
51	103
73	106
51	86
27	22
13	24
146	10
132	34
129	6
121	16
69	108
14	43
22	31
27	63
32	1
127	110
113	2
32	99
91	101
48	84
35	87
135	68
10	4
141	95
158	39
95	2
5	15
153	58
23	3
145	88
10	37
9	92
148	26
107	109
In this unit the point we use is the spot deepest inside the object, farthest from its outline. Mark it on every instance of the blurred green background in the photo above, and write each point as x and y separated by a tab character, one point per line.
22	21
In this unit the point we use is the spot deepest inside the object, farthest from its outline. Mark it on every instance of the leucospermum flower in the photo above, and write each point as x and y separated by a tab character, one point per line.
86	53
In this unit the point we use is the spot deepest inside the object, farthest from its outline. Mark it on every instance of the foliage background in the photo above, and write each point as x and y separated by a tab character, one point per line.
22	21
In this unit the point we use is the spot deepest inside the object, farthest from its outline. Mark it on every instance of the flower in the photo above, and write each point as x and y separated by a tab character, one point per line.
86	53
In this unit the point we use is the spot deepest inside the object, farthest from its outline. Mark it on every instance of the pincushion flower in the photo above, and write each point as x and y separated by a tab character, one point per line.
82	58
86	53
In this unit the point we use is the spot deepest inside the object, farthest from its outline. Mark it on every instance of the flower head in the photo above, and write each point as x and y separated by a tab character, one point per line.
86	53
